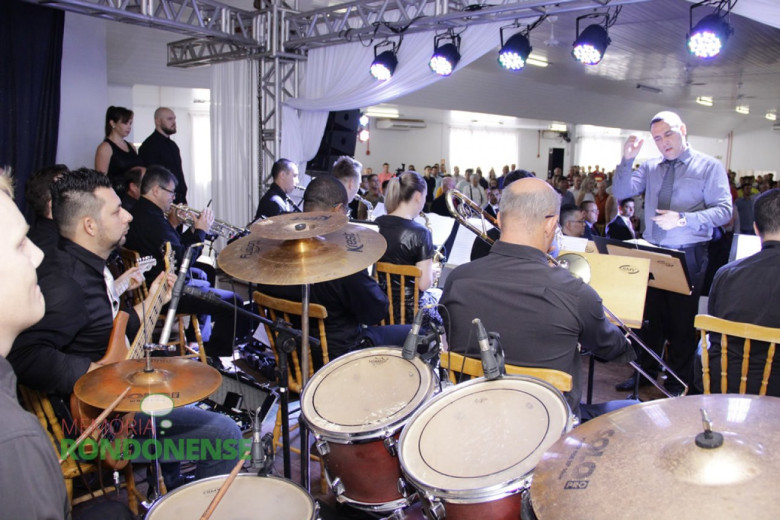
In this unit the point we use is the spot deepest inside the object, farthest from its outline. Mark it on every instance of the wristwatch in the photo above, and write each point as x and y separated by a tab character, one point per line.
682	221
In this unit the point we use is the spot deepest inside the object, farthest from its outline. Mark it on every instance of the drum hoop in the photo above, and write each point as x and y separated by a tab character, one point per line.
423	394
492	492
313	504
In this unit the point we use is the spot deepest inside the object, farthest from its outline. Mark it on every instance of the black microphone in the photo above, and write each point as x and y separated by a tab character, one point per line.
413	338
490	366
176	295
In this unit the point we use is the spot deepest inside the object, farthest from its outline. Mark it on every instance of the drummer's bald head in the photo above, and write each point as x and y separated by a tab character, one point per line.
324	193
527	210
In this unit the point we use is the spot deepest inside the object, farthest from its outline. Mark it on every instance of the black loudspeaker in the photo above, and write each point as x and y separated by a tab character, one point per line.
339	139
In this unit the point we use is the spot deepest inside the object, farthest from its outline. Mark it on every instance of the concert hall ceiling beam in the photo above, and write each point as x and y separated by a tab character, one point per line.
364	19
197	18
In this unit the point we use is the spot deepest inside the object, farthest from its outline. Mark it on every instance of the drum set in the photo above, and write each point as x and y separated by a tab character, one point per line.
396	443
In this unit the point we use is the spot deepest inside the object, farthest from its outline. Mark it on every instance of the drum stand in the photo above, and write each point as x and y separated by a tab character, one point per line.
305	354
286	346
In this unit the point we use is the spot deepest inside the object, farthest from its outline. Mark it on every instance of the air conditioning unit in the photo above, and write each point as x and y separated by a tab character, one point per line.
776	127
400	124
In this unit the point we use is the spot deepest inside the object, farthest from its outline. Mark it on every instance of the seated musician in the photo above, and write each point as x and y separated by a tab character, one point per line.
150	230
43	232
276	200
352	301
745	291
73	335
542	313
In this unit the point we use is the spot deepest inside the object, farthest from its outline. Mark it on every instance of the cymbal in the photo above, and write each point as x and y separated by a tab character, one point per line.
291	226
295	262
184	381
644	461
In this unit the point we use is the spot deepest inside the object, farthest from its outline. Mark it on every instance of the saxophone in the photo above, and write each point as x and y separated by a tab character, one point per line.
438	256
369	208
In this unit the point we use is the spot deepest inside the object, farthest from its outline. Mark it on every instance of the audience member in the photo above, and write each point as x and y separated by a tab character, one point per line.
621	227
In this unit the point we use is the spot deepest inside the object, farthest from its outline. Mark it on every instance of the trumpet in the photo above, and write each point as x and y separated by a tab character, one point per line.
223	229
369	207
576	264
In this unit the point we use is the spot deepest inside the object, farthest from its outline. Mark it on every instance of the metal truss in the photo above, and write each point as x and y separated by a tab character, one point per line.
364	19
198	18
278	81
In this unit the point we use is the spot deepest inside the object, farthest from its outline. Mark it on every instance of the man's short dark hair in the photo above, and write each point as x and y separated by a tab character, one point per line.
585	203
37	193
73	197
157	175
766	212
346	167
569	212
324	193
623	202
516	175
122	181
282	165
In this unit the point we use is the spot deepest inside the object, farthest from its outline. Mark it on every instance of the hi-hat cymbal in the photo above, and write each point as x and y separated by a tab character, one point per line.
295	262
184	381
291	226
644	462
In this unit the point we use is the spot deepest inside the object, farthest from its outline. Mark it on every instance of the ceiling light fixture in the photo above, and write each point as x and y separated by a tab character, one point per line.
514	52
592	42
771	115
445	56
743	109
385	62
707	101
710	34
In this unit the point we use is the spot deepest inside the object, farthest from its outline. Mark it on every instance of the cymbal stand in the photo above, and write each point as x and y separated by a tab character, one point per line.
305	354
286	344
158	488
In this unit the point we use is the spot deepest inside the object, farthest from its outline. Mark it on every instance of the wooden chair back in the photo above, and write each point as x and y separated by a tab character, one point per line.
459	366
746	331
385	272
275	308
130	259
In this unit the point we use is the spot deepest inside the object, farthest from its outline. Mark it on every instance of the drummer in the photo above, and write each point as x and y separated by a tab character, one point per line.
355	303
74	333
542	313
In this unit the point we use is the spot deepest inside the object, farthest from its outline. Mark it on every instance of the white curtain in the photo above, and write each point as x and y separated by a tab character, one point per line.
234	141
337	78
483	147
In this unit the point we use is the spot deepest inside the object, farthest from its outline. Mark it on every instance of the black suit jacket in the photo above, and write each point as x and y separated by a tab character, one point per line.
590	232
273	203
618	229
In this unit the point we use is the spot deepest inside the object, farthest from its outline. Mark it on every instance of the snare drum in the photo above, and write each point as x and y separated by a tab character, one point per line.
470	451
355	406
273	497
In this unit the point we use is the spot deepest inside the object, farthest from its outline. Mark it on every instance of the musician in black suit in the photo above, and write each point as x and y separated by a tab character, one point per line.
621	228
276	200
590	212
494	198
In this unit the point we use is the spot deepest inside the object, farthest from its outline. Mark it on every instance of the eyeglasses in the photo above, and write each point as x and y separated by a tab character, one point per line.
343	207
172	192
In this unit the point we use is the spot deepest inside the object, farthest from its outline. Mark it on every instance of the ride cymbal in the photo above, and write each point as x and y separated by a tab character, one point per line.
301	261
291	226
646	461
184	381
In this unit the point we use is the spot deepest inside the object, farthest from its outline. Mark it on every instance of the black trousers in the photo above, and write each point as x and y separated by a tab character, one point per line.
669	317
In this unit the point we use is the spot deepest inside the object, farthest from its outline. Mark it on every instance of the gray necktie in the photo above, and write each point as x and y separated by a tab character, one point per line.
667	186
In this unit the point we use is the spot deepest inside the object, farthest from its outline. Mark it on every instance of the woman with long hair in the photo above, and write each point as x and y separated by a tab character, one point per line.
408	242
114	156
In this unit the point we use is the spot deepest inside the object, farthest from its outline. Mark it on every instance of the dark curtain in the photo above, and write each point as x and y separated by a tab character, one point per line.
30	63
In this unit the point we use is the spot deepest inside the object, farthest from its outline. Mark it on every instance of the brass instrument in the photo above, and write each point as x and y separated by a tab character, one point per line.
438	256
188	215
576	264
369	207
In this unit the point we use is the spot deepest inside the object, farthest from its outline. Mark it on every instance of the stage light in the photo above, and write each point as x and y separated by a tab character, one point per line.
363	120
384	63
363	135
709	36
445	57
590	45
514	53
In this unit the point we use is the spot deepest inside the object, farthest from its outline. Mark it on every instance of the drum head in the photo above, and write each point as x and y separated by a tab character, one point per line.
364	392
277	498
482	438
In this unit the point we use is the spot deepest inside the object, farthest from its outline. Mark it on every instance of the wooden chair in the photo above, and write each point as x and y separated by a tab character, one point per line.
130	259
274	308
747	332
386	272
471	367
38	404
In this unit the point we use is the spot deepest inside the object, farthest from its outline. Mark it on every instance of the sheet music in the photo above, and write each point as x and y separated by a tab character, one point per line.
574	244
379	210
441	227
464	240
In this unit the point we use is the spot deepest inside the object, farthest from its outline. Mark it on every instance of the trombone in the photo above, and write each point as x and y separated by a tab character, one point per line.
462	209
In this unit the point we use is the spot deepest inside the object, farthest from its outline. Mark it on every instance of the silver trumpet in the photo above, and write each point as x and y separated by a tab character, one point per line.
462	209
369	207
188	215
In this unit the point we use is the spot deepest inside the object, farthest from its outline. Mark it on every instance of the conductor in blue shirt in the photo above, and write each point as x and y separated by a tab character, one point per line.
686	196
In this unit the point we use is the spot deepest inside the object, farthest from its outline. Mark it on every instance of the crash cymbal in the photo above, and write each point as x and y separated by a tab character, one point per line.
183	381
291	226
645	461
295	262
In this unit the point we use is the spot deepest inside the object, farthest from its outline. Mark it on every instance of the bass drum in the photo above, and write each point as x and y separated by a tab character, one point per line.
247	498
355	406
471	450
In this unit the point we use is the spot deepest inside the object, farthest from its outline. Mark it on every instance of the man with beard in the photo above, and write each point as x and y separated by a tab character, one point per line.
161	150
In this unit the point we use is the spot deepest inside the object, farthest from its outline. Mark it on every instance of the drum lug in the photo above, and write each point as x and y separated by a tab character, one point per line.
436	510
337	487
401	486
322	447
390	446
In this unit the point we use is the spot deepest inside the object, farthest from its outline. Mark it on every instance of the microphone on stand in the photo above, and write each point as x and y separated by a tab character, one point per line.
487	352
176	295
413	338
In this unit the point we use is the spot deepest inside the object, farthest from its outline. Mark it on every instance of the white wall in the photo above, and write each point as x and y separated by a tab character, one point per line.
84	91
417	146
756	152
